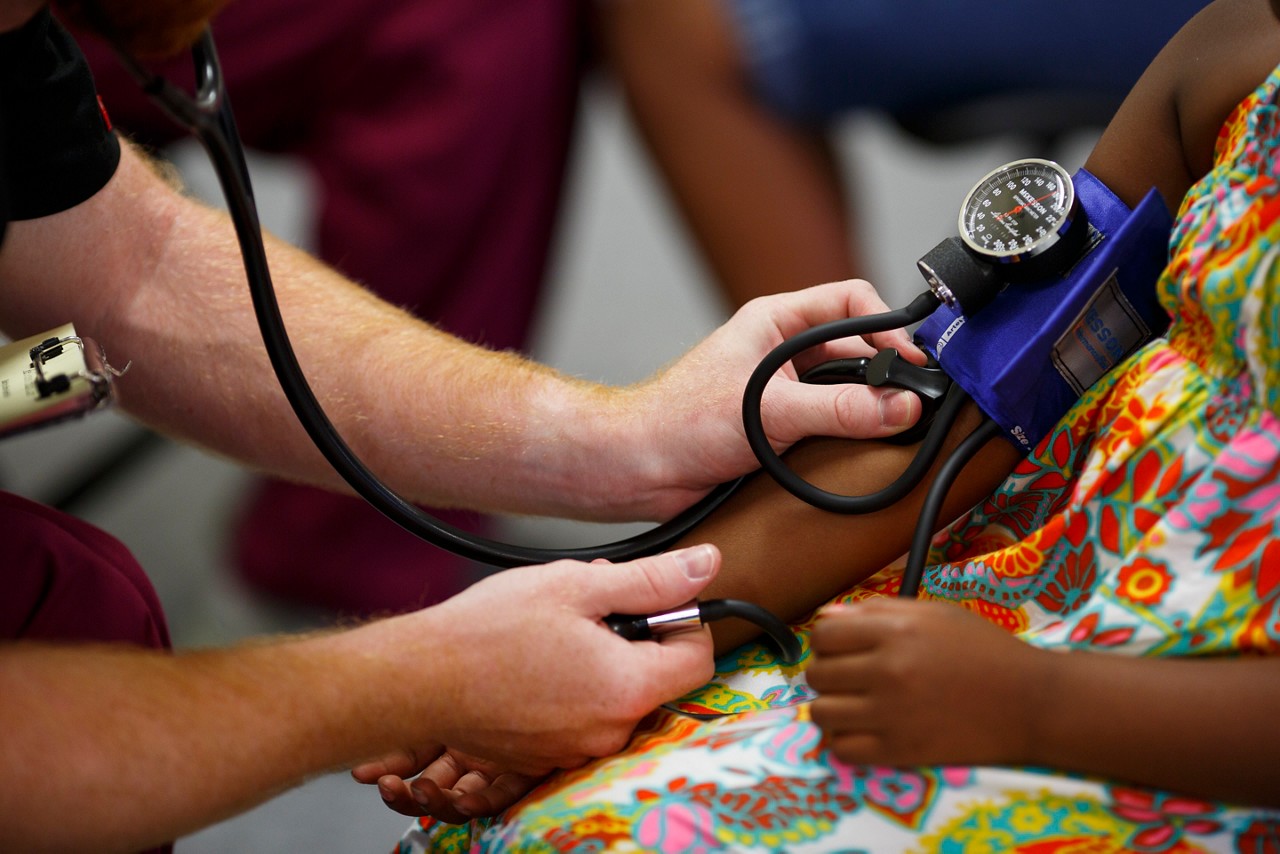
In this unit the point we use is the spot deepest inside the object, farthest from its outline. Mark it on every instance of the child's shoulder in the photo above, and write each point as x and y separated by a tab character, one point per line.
1214	63
1164	134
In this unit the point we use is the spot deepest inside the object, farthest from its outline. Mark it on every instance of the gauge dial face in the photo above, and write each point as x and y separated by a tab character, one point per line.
1018	210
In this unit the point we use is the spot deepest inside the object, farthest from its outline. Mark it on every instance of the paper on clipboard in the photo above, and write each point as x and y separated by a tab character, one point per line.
51	377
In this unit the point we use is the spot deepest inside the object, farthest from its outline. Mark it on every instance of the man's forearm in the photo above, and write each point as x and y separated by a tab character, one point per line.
162	287
190	739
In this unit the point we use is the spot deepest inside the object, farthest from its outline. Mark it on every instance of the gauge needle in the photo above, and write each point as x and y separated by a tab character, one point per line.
1022	206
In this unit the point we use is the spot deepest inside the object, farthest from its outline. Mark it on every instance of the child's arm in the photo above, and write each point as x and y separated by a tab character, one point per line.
927	683
789	557
908	683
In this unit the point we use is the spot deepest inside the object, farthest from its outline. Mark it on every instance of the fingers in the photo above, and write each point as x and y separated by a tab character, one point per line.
848	642
454	788
859	748
793	410
842	643
841	300
402	763
437	802
649	584
682	660
800	310
397	795
473	796
845	629
843	713
496	796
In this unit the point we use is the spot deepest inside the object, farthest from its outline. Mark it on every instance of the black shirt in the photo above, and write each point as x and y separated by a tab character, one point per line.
56	144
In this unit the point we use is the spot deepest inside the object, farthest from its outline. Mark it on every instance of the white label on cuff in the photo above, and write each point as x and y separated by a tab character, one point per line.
1107	331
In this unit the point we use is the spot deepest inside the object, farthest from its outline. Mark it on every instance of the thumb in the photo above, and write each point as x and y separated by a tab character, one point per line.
654	583
850	411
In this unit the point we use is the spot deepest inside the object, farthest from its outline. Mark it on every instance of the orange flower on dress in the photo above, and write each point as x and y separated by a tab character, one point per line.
1132	425
1024	559
1144	581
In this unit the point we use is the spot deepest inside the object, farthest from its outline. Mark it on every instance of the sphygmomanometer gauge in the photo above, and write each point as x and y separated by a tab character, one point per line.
1020	222
1024	215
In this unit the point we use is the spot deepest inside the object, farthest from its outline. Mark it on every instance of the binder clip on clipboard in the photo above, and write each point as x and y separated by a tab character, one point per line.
52	377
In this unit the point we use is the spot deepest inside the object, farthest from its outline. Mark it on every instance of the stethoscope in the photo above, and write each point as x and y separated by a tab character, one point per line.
208	116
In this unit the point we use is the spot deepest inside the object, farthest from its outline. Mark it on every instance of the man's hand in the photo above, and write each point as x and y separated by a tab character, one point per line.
451	786
690	414
519	669
923	683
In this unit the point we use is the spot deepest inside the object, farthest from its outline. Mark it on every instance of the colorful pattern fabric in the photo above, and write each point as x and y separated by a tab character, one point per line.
1147	523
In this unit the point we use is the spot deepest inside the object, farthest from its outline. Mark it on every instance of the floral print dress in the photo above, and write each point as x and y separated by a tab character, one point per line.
1147	523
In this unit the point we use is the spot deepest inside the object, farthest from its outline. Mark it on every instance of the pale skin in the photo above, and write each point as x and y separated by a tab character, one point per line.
156	278
110	748
912	683
1198	726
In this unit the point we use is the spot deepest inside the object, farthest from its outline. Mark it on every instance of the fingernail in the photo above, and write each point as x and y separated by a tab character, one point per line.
895	408
462	809
697	562
385	792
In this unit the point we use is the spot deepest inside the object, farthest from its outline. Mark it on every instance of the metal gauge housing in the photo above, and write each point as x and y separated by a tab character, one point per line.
1025	217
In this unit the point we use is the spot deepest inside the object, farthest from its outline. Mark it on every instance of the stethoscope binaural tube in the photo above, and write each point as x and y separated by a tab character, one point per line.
208	116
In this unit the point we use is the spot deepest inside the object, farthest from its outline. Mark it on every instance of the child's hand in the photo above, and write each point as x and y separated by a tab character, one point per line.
451	786
923	683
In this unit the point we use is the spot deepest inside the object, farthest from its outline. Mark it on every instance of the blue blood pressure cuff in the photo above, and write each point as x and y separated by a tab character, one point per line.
1030	354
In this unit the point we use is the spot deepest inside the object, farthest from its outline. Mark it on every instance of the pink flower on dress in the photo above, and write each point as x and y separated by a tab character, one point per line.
1162	819
677	827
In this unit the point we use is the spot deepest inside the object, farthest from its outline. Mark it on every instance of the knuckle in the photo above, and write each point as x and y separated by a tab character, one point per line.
853	411
820	679
757	308
823	714
825	639
652	579
855	749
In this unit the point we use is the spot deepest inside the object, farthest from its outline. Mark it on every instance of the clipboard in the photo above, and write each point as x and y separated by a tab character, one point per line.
52	377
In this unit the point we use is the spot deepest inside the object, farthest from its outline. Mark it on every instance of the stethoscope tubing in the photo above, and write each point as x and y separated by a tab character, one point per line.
208	116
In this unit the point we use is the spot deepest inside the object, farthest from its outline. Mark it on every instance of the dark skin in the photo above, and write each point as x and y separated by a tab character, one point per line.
765	530
879	666
926	683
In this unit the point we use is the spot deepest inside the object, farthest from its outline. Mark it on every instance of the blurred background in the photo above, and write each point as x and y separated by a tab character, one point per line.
627	294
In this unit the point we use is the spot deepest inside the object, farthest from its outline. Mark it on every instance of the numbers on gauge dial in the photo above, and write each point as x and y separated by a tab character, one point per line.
1014	209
